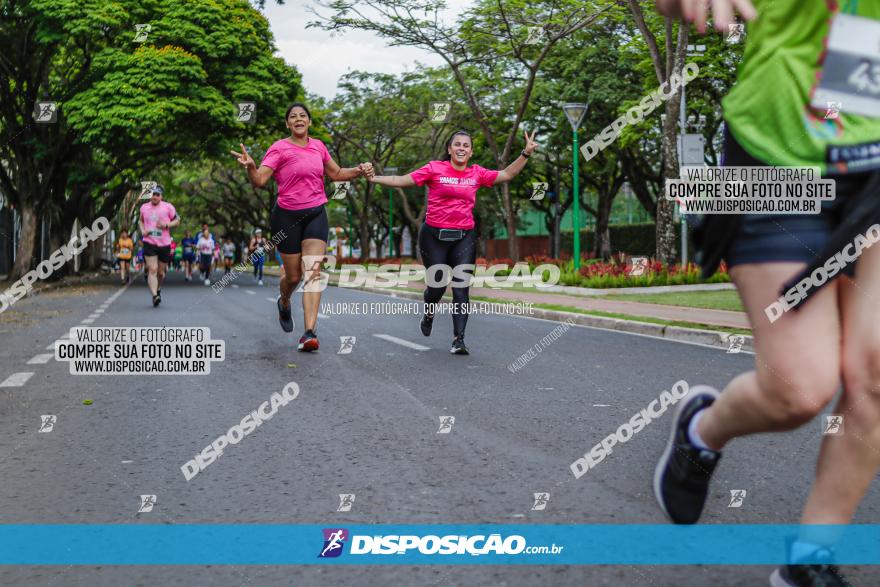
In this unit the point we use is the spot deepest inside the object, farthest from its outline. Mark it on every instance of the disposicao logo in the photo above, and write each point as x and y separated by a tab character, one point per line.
334	540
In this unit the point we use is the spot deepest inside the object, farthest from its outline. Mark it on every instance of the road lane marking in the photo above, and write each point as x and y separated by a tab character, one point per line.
601	406
270	299
40	359
87	321
320	315
402	342
253	293
16	379
235	285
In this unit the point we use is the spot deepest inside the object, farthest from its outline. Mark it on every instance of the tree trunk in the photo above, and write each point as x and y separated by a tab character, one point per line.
512	244
602	237
664	219
665	227
27	241
364	237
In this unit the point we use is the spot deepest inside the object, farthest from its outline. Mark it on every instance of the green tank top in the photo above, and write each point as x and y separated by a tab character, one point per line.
768	110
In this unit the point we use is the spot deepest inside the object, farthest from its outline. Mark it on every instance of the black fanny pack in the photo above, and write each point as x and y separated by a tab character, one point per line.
446	234
450	234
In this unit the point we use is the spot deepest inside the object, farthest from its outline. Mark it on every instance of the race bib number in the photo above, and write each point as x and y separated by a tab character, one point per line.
187	249
155	232
125	252
850	77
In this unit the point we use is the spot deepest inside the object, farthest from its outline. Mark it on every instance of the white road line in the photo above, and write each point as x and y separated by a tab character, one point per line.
402	342
270	299
601	406
235	285
320	315
51	346
87	321
253	293
16	380
41	359
93	316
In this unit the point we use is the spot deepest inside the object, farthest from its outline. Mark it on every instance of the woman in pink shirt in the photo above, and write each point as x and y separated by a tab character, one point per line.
447	239
299	163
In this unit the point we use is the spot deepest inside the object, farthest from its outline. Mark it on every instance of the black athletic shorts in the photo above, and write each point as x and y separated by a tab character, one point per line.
295	226
164	253
768	238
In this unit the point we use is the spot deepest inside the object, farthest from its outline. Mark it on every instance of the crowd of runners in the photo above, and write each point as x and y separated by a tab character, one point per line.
801	359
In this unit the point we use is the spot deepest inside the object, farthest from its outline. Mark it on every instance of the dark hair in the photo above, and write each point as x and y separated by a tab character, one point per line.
301	105
446	155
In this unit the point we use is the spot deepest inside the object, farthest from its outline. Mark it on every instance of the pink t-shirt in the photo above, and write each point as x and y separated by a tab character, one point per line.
452	194
150	216
299	172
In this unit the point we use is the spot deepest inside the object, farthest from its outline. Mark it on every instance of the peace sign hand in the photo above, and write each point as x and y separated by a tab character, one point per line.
244	158
531	145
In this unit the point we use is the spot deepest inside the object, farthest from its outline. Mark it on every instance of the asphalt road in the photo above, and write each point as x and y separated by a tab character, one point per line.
364	423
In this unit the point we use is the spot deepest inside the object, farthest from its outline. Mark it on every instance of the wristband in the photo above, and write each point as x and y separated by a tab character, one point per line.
525	155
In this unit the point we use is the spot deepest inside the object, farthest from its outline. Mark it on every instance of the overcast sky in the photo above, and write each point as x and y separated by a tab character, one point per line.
322	59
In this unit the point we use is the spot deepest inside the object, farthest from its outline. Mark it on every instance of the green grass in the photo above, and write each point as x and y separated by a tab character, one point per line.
679	323
726	299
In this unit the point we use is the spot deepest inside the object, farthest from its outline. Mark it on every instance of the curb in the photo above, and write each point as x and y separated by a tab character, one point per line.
62	282
677	333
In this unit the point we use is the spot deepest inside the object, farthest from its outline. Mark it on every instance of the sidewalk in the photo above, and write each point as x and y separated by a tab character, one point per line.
597	303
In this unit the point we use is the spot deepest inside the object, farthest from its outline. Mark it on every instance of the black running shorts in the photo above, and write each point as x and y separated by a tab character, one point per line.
295	226
769	238
164	253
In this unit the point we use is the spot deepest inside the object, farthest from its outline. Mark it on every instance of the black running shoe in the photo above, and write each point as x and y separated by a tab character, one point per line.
308	342
458	347
681	480
157	299
427	324
285	317
818	575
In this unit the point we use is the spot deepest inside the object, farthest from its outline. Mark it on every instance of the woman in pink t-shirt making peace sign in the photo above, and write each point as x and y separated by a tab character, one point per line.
447	238
299	164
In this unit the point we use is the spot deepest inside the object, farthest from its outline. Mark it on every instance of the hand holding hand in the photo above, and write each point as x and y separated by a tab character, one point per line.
244	158
367	170
531	145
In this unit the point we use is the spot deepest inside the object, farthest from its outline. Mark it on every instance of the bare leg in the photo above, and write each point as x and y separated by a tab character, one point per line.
797	364
163	267
290	278
313	257
152	264
849	462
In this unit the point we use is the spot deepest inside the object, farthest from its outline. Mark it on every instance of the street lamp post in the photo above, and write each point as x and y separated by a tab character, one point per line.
390	171
575	113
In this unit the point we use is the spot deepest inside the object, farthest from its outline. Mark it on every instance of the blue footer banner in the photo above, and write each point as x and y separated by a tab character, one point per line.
447	544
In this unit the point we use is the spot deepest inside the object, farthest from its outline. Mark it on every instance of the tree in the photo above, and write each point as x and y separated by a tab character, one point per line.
667	62
486	51
125	104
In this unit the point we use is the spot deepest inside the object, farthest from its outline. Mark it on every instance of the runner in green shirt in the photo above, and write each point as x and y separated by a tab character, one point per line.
807	94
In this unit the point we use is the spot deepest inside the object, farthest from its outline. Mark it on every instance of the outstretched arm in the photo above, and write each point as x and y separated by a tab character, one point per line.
514	168
394	181
258	177
337	173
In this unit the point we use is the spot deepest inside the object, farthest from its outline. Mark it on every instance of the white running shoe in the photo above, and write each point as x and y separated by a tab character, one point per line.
207	282
260	282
